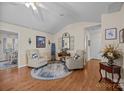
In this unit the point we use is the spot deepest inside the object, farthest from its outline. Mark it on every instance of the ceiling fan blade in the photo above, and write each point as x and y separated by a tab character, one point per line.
41	5
38	14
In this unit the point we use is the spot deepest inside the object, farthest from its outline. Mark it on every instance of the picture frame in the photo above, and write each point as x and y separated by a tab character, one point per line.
121	36
40	42
66	41
111	34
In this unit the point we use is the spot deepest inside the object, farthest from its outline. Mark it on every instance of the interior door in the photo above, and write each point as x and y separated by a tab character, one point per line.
95	45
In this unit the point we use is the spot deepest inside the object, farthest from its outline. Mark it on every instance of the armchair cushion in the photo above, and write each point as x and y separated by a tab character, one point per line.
77	61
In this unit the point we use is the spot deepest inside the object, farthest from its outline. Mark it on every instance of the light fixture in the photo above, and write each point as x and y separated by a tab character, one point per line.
27	4
61	14
29	40
31	4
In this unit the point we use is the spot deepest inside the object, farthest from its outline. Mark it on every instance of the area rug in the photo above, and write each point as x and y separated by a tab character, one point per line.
51	71
7	65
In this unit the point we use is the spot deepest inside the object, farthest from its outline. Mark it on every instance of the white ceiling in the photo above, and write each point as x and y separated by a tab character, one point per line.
57	15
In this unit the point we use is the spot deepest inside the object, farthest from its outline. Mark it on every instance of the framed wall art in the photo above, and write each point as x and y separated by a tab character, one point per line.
111	34
121	36
40	42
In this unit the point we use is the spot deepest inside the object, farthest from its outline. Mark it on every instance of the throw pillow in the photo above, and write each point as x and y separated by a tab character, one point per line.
76	56
34	56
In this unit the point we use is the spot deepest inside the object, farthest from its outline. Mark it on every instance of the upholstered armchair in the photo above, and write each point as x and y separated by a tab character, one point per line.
77	61
34	59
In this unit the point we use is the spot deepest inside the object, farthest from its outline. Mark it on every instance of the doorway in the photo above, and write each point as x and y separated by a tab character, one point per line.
8	50
93	42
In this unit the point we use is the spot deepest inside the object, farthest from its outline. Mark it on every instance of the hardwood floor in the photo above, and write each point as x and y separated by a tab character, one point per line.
85	79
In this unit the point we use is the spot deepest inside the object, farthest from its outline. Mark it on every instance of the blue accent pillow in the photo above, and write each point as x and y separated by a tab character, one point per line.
76	56
34	56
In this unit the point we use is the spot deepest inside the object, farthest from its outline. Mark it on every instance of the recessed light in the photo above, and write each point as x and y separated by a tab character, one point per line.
61	14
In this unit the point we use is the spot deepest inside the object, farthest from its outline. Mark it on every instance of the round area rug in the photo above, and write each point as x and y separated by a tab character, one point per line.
51	71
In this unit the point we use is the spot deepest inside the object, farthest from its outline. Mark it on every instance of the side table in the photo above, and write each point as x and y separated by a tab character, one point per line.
110	69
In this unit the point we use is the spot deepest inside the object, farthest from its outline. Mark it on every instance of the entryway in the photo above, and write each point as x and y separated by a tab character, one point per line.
8	50
93	42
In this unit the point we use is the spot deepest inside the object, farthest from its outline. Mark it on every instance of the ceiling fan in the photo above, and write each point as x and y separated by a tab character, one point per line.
34	6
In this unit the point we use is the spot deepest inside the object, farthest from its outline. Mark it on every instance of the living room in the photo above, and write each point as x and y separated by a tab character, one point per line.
55	32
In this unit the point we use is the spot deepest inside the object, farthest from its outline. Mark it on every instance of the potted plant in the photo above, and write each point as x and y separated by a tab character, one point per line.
112	53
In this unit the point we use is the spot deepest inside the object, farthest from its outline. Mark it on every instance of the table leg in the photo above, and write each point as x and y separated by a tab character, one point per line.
105	74
112	77
112	81
100	75
119	74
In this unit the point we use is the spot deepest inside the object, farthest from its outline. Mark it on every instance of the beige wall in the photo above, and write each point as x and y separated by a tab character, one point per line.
113	20
24	35
78	31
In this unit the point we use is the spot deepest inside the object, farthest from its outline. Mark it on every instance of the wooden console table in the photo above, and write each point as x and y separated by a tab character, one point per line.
110	69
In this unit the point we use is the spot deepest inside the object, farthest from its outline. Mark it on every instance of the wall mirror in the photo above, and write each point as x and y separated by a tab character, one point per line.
66	41
121	36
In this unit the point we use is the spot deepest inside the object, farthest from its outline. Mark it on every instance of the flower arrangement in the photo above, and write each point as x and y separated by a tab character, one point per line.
111	52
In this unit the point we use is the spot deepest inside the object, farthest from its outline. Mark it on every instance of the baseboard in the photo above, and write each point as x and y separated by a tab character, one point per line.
95	59
22	66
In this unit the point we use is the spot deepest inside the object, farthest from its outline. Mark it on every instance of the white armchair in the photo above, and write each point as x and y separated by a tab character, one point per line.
34	59
76	62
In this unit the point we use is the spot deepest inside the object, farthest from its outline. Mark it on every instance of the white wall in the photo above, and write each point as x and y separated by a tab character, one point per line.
24	35
78	31
87	47
113	20
1	47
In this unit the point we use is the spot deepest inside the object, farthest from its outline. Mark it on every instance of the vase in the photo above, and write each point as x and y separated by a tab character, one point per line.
110	62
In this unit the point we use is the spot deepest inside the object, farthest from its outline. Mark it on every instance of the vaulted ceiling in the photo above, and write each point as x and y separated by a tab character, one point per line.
56	15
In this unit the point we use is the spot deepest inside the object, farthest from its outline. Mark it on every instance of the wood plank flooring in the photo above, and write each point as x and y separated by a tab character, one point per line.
85	79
